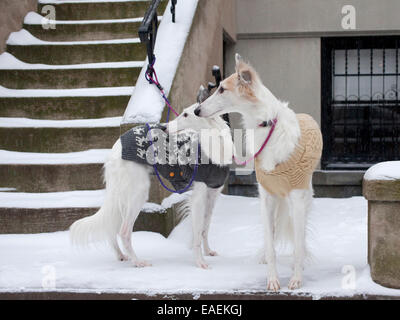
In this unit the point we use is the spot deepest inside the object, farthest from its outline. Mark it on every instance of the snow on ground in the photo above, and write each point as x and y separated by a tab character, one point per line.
146	103
88	156
81	92
35	18
339	239
79	123
68	199
9	62
25	38
71	199
389	170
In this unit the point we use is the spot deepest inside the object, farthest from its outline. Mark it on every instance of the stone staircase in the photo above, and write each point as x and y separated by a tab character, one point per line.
63	93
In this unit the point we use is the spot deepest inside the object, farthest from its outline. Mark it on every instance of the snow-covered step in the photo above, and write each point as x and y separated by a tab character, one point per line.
16	74
56	93
98	156
38	123
72	30
58	136
48	172
60	104
25	177
100	9
56	172
24	46
56	211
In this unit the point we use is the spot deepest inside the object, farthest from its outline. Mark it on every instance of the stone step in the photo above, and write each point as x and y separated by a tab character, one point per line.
62	108
52	177
89	10
43	172
56	211
178	295
62	136
68	78
86	31
59	53
28	220
326	184
62	104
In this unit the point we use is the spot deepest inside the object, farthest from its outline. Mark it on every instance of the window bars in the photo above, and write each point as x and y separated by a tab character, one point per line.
360	101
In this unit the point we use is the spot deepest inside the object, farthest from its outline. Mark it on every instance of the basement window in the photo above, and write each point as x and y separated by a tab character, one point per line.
360	101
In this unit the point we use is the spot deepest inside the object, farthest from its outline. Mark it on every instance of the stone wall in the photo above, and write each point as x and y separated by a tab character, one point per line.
203	49
12	13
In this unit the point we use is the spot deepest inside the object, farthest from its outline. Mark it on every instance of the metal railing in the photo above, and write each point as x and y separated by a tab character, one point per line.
360	101
149	27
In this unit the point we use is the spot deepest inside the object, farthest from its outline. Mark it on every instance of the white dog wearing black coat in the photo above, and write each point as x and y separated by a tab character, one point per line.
127	190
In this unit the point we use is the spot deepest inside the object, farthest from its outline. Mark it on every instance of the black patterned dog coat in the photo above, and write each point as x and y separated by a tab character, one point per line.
176	166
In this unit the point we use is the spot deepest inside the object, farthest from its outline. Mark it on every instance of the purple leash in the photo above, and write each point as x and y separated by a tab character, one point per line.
158	174
149	77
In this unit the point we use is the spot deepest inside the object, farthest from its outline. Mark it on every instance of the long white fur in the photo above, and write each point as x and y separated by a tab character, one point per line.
282	217
125	198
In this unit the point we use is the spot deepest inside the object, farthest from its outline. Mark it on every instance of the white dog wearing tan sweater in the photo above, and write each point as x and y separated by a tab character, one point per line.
285	165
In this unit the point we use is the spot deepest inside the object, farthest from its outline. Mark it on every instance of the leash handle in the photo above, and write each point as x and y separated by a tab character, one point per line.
262	147
158	174
154	80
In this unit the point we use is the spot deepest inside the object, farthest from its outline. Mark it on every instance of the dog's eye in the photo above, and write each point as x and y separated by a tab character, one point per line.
185	115
221	90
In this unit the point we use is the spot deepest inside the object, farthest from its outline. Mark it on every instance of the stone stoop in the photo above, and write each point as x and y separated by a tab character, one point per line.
72	83
326	184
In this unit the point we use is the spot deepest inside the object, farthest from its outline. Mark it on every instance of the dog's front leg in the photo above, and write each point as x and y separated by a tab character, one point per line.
197	208
268	206
299	203
212	195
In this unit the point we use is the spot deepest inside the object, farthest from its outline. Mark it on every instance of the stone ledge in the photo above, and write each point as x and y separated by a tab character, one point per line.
59	295
320	177
381	190
332	184
338	177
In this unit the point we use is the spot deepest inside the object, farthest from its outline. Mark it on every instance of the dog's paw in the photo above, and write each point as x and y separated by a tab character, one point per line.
273	284
203	265
141	264
211	253
122	257
261	259
295	283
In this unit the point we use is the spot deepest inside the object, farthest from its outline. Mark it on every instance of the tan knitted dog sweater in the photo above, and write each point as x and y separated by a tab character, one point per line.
296	172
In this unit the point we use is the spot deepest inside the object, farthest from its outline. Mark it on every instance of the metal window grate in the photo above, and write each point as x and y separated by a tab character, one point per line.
360	101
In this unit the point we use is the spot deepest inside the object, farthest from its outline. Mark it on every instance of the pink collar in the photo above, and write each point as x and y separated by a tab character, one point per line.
264	124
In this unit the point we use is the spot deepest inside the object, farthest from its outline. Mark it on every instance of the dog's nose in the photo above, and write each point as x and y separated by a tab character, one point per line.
197	111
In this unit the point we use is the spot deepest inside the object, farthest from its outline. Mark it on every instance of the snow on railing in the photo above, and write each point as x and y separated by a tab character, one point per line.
146	103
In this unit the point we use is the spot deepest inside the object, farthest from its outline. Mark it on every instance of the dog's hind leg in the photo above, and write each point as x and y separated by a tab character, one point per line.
133	194
114	244
212	195
268	207
126	235
299	203
197	206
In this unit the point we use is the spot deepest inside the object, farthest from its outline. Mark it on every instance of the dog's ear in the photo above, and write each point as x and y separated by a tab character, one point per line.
245	76
238	59
202	94
244	71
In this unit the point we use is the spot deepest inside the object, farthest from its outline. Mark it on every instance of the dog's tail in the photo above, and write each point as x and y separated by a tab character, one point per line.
89	229
96	228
